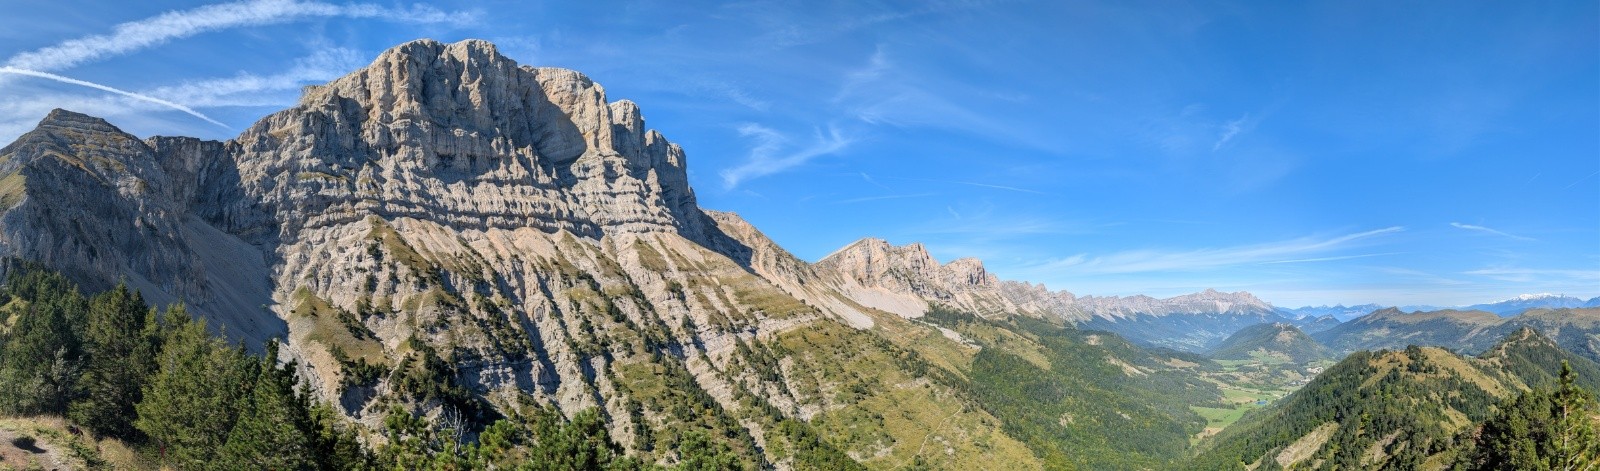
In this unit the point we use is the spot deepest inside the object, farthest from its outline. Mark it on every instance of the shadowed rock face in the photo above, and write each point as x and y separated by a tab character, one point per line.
85	198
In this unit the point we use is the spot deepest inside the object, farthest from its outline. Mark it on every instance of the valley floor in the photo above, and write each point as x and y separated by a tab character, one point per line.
1249	385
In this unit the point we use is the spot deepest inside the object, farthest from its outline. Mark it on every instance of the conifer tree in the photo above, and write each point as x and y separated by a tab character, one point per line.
1542	430
41	356
121	355
335	444
190	404
274	425
1576	439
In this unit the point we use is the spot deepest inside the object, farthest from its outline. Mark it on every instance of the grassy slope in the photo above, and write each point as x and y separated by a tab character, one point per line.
1080	398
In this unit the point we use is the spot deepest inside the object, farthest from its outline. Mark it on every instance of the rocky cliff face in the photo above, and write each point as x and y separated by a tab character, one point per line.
903	280
460	134
448	231
85	198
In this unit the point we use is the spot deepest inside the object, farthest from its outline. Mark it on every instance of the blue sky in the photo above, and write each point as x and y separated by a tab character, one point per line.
1309	152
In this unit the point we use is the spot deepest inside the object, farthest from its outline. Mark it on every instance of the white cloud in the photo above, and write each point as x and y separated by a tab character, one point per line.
1536	275
1332	259
773	153
885	93
1488	230
866	199
157	30
976	184
1231	129
246	89
1147	261
136	96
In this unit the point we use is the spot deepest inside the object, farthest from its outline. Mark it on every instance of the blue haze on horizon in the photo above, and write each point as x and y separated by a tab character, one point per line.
1321	152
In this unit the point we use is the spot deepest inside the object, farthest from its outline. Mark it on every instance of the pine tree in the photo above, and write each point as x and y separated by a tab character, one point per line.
1541	430
191	403
41	356
274	426
121	356
334	444
1575	438
697	452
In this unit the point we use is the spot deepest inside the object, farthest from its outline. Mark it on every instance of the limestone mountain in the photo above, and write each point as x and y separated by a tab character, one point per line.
901	279
448	233
99	205
1193	322
446	236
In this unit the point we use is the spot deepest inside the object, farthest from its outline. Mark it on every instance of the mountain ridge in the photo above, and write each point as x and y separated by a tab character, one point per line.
1280	340
445	232
1575	329
1412	408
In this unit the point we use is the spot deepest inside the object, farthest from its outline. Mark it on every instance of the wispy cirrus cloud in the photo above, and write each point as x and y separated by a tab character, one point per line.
976	184
1231	129
1331	259
866	199
775	152
1298	250
1489	230
247	89
125	93
885	92
154	31
1537	275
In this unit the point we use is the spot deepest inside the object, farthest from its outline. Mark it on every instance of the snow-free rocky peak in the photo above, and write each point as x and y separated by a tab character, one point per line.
463	133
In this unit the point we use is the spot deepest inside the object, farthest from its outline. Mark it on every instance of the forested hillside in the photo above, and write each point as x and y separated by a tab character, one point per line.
1418	408
1276	340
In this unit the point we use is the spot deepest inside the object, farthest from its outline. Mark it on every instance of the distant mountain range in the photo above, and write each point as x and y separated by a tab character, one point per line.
1517	305
1340	311
1509	307
1577	330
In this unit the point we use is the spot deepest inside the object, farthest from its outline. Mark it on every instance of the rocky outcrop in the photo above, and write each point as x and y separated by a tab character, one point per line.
460	134
903	279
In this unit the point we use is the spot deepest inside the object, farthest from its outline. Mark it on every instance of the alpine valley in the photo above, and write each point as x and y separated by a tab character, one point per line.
450	260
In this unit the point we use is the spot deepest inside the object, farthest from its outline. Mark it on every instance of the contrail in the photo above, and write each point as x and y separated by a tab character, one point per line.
135	35
136	96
